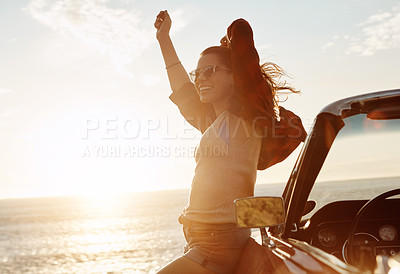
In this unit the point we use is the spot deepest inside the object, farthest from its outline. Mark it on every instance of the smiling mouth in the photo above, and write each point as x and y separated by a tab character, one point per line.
204	90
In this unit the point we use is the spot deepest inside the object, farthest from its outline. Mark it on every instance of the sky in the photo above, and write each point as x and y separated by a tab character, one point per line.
84	105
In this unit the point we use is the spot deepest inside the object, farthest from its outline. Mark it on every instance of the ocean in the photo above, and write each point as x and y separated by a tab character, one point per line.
129	233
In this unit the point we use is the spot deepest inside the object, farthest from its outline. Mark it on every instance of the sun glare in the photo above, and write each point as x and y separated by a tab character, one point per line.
63	168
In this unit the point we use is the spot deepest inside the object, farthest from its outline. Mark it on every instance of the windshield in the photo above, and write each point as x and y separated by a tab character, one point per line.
363	162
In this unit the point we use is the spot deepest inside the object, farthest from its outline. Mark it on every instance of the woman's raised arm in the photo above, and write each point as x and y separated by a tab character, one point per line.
177	74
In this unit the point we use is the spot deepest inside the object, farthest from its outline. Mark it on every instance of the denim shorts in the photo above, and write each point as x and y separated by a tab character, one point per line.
217	247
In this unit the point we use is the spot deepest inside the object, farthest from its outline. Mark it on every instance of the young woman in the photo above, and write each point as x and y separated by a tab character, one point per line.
231	100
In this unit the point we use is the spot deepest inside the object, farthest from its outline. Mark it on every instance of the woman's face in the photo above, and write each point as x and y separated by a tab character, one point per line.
219	87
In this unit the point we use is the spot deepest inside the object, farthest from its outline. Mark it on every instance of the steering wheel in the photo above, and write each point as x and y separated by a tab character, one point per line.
360	213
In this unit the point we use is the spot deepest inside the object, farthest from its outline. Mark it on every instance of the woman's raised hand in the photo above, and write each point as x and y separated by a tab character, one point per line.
162	24
177	74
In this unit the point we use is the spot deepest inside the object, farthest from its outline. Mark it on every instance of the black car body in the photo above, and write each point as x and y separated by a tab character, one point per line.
332	221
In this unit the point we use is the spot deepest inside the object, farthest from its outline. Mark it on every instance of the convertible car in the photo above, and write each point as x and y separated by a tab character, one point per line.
340	210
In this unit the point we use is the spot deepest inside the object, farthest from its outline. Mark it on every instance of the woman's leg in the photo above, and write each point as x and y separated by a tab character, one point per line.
184	265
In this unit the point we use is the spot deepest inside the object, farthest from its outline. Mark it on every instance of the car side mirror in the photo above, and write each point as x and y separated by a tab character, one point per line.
254	212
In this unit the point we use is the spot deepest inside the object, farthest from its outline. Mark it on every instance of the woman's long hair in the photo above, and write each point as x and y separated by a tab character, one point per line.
272	74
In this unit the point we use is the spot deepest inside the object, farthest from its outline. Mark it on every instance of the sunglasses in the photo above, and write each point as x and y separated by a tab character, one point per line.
208	72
